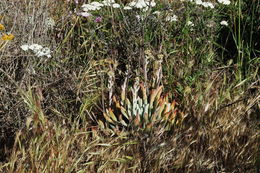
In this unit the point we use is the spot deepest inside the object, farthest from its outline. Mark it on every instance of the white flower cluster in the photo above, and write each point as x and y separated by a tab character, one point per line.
225	2
141	4
37	49
49	22
209	4
224	23
93	6
204	4
157	13
172	18
190	23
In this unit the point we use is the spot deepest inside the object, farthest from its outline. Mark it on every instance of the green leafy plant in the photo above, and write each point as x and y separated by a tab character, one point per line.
145	112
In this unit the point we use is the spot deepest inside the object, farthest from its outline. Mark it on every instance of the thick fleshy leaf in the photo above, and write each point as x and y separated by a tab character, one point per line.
111	114
146	109
123	111
173	116
101	124
146	118
159	92
167	108
116	102
154	93
122	121
137	120
107	118
154	117
173	104
167	115
144	93
123	95
128	103
161	108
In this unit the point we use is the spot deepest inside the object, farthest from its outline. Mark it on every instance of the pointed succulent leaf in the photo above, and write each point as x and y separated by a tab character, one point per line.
122	121
159	92
144	93
154	117
123	111
128	104
152	96
167	108
167	97
166	116
130	115
140	111
123	95
146	109
140	102
146	118
107	118
173	116
112	115
173	104
154	93
134	109
161	108
137	120
101	124
116	102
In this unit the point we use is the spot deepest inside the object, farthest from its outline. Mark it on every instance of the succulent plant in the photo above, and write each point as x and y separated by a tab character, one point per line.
142	112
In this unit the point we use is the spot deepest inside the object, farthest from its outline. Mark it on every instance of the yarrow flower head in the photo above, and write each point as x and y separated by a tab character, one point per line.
49	22
224	23
90	7
25	47
44	52
93	6
37	49
139	17
97	4
115	5
190	23
127	8
108	2
225	2
198	2
172	18
207	4
157	12
142	4
85	14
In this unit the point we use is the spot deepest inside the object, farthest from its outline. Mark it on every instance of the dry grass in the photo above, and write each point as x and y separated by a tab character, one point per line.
49	107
